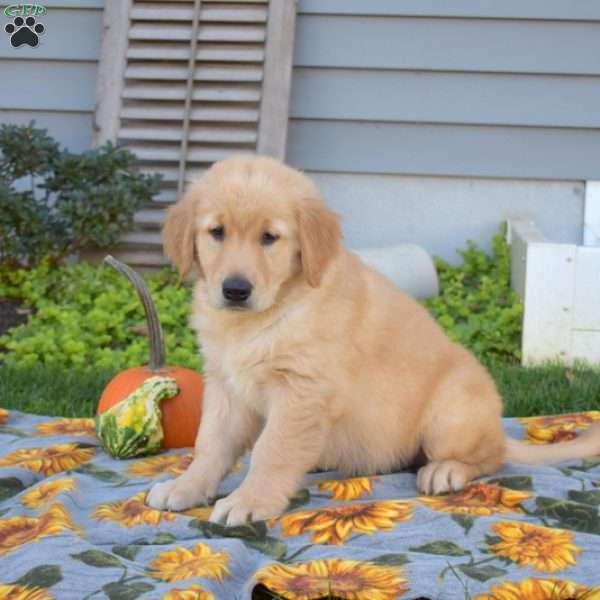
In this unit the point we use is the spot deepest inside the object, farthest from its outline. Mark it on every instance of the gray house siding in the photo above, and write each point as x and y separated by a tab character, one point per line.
444	99
54	84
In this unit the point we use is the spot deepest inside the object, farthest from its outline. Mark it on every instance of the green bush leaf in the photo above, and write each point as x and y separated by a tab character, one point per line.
44	576
444	547
97	558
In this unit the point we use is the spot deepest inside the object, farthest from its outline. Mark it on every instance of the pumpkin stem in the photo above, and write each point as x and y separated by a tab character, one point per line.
158	355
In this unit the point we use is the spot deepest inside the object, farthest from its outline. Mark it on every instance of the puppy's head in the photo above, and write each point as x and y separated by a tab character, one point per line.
249	226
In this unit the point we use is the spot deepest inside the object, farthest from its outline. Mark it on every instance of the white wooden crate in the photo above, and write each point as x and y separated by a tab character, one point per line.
560	288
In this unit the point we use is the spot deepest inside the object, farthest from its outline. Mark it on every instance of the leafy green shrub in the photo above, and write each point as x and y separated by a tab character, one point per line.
476	305
90	316
53	202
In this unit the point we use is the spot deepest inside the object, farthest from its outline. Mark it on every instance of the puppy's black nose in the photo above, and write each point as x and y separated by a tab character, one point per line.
237	289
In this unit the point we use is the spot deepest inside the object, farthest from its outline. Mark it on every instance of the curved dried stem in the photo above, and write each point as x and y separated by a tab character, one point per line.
158	355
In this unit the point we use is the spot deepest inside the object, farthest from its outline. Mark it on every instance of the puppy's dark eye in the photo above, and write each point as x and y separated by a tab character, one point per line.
268	238
218	233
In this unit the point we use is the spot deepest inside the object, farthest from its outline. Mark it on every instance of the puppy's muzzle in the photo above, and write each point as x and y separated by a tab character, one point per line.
237	291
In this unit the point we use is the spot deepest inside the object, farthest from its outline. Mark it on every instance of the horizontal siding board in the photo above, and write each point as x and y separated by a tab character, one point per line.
438	97
448	44
82	29
71	129
507	9
53	4
72	85
444	149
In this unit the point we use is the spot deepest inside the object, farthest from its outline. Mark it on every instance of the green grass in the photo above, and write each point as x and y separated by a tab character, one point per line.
74	392
48	390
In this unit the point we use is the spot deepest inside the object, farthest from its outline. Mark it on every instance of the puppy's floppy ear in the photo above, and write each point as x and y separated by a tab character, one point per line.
320	234
178	235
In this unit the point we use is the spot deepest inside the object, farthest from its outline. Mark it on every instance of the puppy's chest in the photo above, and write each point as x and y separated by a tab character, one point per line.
245	368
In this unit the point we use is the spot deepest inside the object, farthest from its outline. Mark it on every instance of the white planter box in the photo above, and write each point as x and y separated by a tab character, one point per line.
560	288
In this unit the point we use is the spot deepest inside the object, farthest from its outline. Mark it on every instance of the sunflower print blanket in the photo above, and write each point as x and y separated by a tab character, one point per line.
74	525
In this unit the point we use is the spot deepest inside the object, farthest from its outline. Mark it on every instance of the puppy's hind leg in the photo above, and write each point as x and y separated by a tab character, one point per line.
462	439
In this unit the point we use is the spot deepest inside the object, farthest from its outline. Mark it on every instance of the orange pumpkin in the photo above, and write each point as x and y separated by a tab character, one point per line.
180	414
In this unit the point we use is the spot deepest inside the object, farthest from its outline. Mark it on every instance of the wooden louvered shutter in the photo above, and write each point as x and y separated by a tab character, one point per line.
183	84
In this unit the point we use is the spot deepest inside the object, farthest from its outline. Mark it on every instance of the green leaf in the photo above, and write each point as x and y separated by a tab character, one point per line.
102	474
97	558
128	552
588	463
492	539
444	547
163	538
591	497
126	591
270	546
514	482
568	514
43	576
6	430
465	521
9	487
250	531
482	573
300	498
391	560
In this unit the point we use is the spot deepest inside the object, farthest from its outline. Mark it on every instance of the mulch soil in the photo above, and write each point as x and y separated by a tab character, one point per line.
11	313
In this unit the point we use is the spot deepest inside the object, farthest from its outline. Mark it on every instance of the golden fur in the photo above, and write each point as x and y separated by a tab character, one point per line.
330	366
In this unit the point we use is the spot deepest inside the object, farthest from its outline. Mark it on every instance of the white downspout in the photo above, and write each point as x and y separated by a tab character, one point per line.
591	214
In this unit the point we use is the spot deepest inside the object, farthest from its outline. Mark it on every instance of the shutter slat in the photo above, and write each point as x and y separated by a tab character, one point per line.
206	52
160	112
206	33
145	131
147	11
207	92
165	152
174	72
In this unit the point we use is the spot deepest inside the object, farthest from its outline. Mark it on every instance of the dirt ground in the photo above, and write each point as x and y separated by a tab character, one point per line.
11	314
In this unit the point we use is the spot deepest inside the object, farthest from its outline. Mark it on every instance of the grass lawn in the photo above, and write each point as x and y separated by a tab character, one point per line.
74	393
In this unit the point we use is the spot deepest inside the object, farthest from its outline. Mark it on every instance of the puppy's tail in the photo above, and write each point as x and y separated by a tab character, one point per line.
585	445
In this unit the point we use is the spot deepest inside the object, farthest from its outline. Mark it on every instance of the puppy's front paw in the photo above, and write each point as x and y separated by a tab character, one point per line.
176	495
443	477
242	506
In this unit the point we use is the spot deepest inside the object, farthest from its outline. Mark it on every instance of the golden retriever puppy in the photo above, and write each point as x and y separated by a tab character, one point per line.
312	359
